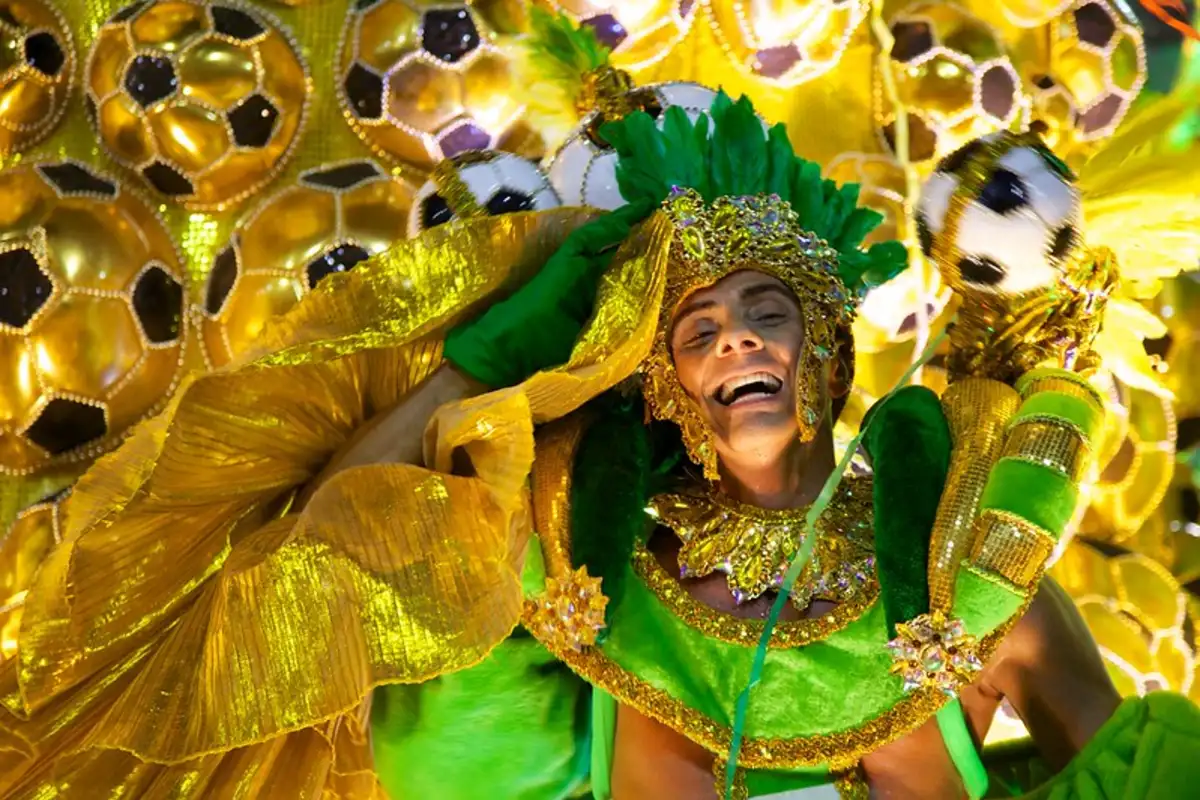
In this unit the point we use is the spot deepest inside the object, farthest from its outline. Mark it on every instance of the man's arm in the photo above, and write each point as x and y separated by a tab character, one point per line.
1051	672
395	436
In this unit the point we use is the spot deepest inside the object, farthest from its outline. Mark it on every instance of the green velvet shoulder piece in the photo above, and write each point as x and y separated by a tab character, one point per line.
908	440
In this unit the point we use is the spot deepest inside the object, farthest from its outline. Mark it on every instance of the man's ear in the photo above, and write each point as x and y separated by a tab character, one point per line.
841	376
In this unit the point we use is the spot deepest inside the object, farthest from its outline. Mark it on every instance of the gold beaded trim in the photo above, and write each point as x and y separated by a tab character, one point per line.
740	792
1048	444
1063	382
1011	546
747	632
1049	419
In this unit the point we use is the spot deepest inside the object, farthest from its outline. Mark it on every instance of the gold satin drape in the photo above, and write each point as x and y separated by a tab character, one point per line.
194	637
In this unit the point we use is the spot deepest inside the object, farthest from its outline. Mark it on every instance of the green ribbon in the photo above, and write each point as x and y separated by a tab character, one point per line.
797	566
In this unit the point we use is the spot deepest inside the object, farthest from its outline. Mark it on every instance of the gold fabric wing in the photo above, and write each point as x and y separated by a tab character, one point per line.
190	620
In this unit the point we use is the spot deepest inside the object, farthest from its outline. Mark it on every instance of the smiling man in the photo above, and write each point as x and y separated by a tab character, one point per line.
564	596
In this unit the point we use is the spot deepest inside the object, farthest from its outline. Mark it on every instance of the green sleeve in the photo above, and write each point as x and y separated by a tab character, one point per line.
536	327
513	726
1149	749
908	441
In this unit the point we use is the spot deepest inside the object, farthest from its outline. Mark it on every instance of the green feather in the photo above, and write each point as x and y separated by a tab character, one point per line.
563	51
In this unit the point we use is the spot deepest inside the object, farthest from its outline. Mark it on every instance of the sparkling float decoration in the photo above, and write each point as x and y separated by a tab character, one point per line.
1097	66
420	84
952	76
639	32
570	612
37	65
480	184
331	219
203	100
788	42
92	324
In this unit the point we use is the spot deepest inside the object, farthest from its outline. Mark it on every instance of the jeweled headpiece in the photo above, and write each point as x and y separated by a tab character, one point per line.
762	233
741	199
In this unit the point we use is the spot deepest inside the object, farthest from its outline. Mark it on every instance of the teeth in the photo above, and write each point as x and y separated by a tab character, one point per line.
725	393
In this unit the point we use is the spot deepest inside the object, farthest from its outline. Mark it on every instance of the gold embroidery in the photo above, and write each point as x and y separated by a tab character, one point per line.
1050	445
746	632
755	546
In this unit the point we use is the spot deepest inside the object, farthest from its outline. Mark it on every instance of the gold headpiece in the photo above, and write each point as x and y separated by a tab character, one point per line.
761	233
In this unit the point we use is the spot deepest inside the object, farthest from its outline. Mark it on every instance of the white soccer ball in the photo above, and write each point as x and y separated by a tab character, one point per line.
500	183
1017	234
584	170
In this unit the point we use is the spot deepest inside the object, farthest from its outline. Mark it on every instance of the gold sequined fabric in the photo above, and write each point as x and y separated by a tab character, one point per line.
977	411
187	591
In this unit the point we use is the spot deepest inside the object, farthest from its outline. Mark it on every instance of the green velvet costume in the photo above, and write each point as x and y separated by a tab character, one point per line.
531	723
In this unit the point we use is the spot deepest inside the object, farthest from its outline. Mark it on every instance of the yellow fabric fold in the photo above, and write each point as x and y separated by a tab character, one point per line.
191	637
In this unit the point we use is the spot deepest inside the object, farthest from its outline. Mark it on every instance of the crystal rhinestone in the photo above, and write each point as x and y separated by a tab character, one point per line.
933	659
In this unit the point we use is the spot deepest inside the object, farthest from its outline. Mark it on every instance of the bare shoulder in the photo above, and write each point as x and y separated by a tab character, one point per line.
1050	629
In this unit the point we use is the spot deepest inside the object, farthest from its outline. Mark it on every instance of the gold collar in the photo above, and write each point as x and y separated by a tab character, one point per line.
754	546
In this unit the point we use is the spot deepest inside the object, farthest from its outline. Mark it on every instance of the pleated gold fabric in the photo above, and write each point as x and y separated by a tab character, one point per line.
194	636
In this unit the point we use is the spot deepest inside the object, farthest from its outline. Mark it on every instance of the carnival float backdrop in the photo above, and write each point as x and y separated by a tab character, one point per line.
178	173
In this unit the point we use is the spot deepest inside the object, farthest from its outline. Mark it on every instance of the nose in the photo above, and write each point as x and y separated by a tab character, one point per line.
738	339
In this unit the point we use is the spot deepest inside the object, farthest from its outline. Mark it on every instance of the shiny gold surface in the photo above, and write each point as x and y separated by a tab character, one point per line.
1056	447
940	81
33	91
192	125
227	642
1138	614
738	630
24	545
977	411
652	28
86	341
1011	547
1095	72
274	246
785	42
404	101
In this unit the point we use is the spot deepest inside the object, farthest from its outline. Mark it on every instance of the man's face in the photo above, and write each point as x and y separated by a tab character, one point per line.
736	346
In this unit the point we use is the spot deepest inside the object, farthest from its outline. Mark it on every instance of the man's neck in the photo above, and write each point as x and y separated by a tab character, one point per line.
791	479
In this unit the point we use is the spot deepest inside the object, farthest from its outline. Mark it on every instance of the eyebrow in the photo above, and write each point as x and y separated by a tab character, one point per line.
751	291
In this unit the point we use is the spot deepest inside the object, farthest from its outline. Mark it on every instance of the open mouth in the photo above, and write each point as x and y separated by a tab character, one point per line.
754	386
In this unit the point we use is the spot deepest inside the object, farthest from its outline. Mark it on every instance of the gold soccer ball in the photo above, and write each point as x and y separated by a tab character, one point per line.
787	42
639	32
332	218
1097	66
954	78
91	314
37	62
203	100
419	83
